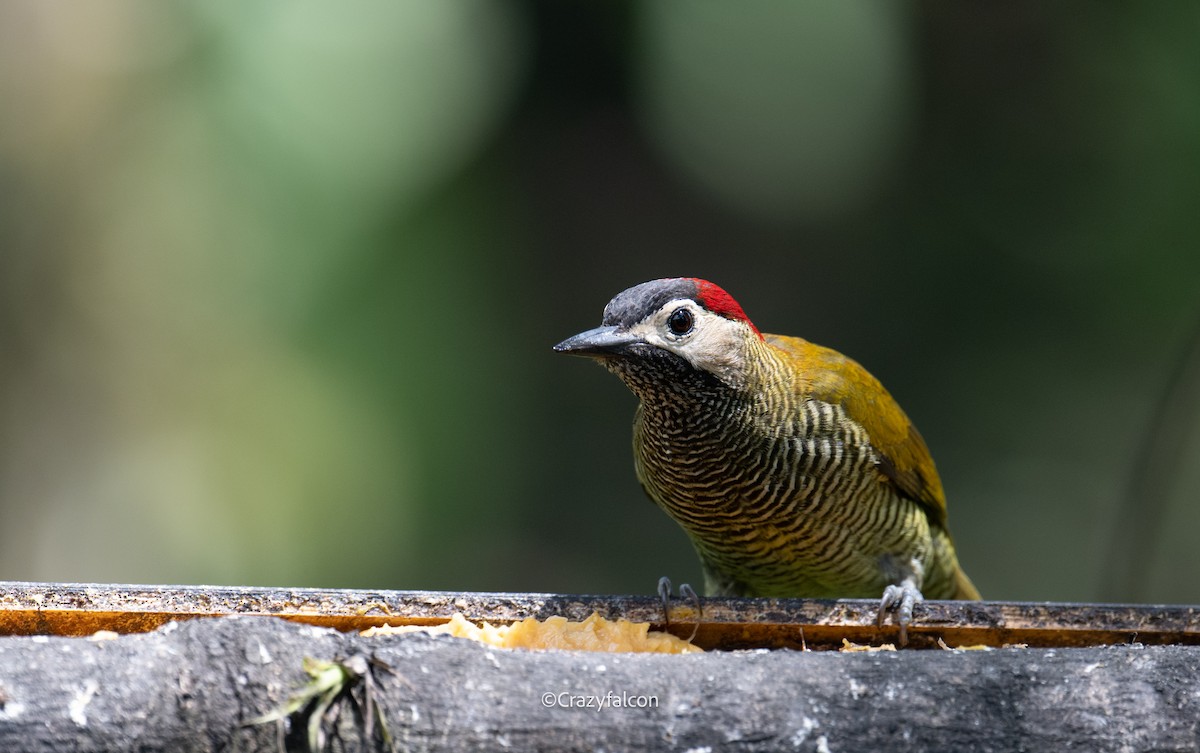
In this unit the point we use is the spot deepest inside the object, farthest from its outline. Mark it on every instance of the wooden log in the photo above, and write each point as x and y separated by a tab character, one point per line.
193	686
725	623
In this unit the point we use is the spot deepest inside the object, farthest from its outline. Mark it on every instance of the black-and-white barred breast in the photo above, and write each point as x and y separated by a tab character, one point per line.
778	499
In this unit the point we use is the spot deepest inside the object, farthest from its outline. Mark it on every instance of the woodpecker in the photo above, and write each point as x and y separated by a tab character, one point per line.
790	467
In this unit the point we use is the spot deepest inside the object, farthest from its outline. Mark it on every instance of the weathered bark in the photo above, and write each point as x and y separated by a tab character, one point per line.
192	686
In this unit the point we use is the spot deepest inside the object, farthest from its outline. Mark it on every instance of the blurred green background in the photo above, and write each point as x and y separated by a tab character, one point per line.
279	280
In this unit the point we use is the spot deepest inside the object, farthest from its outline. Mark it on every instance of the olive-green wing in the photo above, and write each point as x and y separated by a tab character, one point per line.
904	459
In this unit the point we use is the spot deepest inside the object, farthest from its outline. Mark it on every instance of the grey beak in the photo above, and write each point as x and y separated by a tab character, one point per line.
599	342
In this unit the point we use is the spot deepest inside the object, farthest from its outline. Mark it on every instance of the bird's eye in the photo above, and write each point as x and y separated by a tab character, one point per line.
680	321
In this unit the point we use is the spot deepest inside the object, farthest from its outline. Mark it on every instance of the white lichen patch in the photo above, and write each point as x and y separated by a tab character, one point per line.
807	725
77	708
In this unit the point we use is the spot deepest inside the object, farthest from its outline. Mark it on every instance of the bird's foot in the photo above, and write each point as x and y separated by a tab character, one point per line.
900	599
685	592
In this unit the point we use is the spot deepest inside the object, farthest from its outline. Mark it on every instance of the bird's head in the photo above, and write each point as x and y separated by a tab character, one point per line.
672	329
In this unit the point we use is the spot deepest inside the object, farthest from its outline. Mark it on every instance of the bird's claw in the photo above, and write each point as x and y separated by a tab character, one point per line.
685	592
900	599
